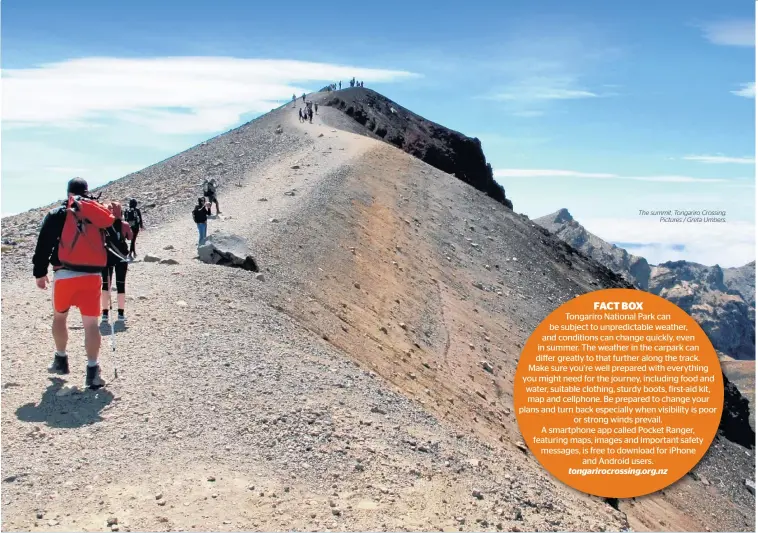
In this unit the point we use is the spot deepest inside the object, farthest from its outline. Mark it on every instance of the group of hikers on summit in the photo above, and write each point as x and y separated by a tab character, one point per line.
338	86
88	243
306	115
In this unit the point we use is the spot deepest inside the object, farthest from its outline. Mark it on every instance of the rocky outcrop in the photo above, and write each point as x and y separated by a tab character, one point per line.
227	250
735	418
440	147
724	315
634	269
742	280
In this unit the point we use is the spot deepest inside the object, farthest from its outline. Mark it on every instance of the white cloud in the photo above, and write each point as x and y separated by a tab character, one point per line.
534	90
734	32
728	244
531	90
169	95
548	173
720	159
747	91
550	70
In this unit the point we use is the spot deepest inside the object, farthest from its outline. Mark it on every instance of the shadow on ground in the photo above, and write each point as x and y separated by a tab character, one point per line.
73	410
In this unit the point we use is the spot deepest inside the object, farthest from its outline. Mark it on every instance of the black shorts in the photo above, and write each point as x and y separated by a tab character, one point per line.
211	196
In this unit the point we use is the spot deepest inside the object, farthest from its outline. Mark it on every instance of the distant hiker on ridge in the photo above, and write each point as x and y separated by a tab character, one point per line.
303	97
133	217
316	107
116	237
340	84
200	215
72	241
209	191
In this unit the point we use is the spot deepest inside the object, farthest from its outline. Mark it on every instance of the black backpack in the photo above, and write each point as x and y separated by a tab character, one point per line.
132	216
115	238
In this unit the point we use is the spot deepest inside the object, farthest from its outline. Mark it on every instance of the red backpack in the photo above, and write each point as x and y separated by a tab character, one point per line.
82	243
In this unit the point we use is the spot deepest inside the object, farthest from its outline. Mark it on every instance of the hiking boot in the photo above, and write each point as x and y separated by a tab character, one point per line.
121	318
59	365
93	380
103	319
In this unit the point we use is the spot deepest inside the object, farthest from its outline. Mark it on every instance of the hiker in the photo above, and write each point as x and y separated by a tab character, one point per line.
133	217
200	215
301	114
116	237
340	85
209	191
303	97
310	115
294	98
315	106
72	241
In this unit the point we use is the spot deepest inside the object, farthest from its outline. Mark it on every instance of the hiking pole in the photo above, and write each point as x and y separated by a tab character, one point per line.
111	322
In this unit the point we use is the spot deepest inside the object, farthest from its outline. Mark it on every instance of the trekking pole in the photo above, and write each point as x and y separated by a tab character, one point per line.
110	306
112	324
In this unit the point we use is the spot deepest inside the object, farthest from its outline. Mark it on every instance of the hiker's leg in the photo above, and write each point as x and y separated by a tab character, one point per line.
201	227
215	201
61	300
105	293
132	246
60	331
121	269
91	337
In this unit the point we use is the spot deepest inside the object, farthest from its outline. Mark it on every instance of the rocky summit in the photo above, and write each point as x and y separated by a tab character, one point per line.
634	269
360	377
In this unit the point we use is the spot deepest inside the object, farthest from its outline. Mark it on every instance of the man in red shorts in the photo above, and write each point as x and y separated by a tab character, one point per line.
76	278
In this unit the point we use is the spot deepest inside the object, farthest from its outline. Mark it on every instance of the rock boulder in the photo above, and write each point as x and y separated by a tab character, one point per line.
227	249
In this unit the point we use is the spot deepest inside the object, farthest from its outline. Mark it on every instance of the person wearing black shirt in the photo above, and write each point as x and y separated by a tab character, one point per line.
200	215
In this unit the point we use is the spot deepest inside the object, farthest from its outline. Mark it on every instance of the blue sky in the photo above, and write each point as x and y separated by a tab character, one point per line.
605	108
